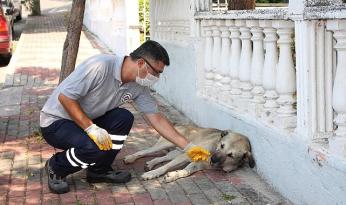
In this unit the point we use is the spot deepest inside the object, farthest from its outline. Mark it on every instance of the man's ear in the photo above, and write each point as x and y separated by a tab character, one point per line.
140	62
224	133
248	157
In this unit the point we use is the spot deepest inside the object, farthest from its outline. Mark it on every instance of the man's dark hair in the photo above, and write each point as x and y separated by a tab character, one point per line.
151	50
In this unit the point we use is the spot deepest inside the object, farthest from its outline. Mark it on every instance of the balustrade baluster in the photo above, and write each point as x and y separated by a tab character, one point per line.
285	77
224	83
208	51
257	67
269	70
234	60
216	57
245	66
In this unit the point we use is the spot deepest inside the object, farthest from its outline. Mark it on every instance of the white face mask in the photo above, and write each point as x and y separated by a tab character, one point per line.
148	81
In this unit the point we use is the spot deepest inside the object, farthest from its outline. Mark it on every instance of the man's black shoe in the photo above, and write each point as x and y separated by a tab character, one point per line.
56	184
109	177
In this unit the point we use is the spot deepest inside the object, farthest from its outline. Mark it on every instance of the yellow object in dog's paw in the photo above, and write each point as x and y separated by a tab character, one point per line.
197	153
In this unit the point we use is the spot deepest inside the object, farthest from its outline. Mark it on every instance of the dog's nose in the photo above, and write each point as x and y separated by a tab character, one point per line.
214	159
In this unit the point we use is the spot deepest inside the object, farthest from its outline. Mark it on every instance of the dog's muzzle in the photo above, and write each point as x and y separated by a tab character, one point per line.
216	160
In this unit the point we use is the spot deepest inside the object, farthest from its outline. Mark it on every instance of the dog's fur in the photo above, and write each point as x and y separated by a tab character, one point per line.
229	151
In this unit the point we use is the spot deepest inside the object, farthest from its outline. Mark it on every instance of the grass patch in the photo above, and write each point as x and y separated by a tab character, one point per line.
80	203
228	197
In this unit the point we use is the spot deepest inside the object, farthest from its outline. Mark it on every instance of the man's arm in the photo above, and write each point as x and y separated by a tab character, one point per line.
166	129
98	135
73	108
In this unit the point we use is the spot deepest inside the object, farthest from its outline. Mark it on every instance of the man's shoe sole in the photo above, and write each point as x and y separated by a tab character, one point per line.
62	191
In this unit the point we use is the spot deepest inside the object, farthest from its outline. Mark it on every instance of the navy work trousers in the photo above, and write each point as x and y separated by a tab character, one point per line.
79	150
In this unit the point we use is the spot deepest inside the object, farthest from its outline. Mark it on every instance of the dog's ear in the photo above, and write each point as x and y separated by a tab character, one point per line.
224	133
248	157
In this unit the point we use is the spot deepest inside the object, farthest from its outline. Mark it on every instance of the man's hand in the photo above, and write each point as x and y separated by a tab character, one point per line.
196	153
100	137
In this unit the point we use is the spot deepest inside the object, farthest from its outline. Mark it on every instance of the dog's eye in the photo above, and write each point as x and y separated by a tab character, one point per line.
230	155
222	146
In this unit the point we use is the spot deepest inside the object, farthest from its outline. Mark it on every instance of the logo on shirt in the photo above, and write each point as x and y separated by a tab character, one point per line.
126	98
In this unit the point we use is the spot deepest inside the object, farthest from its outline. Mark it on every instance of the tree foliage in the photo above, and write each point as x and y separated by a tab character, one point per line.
141	17
271	1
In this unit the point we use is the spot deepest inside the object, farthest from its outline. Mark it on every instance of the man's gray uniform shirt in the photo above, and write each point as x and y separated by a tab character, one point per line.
96	85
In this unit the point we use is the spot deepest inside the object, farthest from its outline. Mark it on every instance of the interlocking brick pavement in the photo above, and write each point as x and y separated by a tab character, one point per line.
23	152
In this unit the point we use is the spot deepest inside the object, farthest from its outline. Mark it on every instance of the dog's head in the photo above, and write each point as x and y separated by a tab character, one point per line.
232	151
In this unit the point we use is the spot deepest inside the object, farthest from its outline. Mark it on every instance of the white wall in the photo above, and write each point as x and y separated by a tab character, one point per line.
115	22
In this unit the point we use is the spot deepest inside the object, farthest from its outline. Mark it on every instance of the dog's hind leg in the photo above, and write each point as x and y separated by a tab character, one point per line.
157	147
152	163
187	171
178	161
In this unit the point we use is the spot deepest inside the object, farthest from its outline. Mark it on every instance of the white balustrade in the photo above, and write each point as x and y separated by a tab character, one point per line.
240	74
245	65
257	66
269	70
285	77
234	60
337	144
208	51
235	64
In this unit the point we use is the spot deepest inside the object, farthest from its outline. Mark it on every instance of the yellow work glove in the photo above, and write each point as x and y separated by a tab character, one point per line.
196	153
99	136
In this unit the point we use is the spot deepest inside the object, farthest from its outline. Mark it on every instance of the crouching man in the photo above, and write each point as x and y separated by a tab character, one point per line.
83	118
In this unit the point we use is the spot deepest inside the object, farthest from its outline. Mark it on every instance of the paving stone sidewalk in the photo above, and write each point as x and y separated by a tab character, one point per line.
23	152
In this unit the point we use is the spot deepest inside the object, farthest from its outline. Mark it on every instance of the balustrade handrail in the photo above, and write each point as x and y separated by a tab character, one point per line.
325	12
310	13
263	13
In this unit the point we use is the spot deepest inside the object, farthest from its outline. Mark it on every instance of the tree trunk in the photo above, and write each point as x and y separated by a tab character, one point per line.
241	4
71	44
36	8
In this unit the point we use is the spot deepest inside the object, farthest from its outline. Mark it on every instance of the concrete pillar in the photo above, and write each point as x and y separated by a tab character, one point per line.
297	7
337	143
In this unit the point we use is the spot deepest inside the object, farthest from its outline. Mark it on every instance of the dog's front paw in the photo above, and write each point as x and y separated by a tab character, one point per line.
149	175
129	159
172	176
148	166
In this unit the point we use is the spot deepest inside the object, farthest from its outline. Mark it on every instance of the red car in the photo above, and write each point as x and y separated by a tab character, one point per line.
6	29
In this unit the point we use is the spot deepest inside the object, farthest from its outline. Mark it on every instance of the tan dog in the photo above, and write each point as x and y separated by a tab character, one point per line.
229	151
